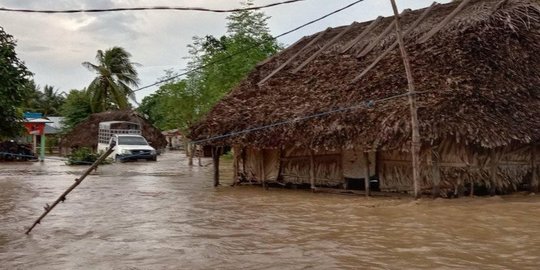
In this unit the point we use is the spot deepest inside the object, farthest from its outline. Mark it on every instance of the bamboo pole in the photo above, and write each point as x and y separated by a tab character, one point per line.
353	42
366	176
395	44
415	144
324	47
62	197
282	66
444	22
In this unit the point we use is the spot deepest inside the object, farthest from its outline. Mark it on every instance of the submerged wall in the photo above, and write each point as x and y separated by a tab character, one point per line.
446	167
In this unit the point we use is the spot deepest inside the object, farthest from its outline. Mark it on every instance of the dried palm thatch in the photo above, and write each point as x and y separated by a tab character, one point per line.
479	74
85	134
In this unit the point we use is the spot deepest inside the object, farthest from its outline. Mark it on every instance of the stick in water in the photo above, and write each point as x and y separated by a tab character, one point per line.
62	197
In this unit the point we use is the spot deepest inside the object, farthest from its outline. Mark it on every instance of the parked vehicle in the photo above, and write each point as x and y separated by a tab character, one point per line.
130	145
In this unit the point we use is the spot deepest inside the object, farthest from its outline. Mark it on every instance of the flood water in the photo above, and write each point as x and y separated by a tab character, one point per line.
166	215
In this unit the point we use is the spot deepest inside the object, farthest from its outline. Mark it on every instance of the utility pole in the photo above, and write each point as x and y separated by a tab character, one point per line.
415	145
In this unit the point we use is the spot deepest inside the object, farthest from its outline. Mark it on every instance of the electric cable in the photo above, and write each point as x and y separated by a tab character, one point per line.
69	11
223	59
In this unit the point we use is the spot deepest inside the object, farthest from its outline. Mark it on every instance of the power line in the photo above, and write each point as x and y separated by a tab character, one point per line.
249	48
366	104
67	11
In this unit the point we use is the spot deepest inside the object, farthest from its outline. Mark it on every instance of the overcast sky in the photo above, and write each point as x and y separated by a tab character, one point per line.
53	46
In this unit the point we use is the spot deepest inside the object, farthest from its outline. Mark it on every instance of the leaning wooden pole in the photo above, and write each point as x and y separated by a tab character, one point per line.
62	197
415	145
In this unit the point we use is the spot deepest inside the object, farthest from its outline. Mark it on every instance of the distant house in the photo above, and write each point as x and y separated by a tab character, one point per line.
56	126
175	139
479	104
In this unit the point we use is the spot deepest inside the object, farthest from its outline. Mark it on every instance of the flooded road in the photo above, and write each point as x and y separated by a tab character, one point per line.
166	215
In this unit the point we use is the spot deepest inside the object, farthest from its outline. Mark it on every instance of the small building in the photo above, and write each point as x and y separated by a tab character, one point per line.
175	139
331	109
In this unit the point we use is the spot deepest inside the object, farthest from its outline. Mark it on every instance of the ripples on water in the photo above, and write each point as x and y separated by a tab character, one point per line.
166	215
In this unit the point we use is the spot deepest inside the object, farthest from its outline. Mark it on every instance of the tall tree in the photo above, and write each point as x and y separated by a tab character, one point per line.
51	101
13	77
221	63
76	107
116	75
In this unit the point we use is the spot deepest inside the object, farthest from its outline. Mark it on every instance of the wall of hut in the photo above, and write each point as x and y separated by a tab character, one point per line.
445	168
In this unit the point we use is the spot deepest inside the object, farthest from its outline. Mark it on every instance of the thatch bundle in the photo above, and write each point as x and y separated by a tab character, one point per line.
479	76
85	134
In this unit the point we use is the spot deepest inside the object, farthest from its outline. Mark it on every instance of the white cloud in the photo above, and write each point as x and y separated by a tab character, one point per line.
55	45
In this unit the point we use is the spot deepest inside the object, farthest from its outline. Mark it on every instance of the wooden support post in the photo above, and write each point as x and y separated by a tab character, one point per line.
42	148
215	161
235	165
366	175
534	166
471	180
460	191
435	173
191	150
261	166
312	169
62	198
415	144
493	173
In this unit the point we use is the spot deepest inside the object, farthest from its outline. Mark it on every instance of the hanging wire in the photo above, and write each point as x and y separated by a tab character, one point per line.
224	59
364	104
102	10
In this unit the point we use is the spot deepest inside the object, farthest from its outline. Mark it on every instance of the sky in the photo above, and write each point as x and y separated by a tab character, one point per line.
53	46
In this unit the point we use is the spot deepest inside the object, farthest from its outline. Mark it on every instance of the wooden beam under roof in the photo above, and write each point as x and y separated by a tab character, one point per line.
370	27
328	44
280	52
396	43
444	22
293	57
377	40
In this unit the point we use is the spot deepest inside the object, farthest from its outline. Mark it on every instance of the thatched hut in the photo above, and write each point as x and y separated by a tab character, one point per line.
476	66
85	134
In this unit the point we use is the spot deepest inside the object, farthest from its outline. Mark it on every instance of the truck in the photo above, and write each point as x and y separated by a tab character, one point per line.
128	141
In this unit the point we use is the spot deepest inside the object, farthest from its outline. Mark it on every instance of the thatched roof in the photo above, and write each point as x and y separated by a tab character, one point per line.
85	134
481	74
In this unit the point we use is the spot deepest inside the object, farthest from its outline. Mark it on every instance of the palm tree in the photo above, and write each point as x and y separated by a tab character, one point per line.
116	75
51	101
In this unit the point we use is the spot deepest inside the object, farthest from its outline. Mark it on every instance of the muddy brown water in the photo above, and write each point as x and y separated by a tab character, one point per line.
166	215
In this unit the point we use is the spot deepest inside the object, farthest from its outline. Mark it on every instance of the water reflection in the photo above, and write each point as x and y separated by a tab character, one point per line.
167	215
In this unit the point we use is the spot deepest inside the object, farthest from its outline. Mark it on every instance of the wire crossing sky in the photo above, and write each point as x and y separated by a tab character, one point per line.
68	11
250	48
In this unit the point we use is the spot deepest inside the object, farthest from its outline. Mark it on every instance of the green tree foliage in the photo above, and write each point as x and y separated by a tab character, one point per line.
47	102
221	63
76	108
116	75
174	105
13	77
